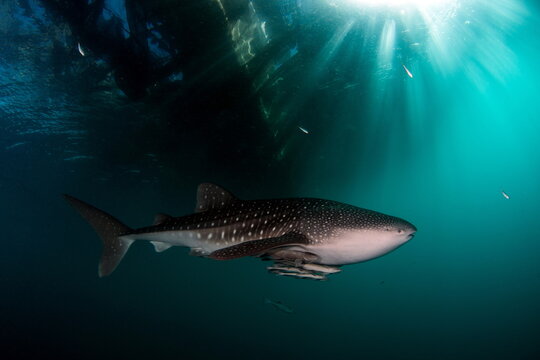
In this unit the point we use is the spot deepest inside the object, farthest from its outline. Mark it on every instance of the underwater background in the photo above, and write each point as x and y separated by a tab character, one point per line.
424	110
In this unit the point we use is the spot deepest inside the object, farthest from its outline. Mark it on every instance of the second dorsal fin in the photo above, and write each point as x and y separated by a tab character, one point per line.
210	196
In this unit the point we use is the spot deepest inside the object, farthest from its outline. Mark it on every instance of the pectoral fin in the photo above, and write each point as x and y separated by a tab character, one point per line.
290	254
257	247
160	246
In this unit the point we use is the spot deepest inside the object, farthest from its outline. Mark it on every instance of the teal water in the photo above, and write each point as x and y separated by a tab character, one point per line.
437	149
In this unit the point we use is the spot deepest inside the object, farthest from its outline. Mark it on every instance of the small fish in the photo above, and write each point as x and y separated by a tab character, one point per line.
324	269
505	195
277	81
15	145
263	28
407	71
78	157
351	85
81	51
279	305
303	130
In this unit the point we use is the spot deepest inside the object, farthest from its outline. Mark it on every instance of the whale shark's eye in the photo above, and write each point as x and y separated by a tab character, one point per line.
400	231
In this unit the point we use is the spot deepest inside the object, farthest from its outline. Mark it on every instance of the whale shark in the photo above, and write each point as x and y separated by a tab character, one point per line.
305	237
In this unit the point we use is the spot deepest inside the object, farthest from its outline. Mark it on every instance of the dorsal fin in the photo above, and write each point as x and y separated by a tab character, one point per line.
161	218
210	196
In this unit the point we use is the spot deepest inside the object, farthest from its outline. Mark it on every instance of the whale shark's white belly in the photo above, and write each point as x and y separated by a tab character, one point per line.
356	246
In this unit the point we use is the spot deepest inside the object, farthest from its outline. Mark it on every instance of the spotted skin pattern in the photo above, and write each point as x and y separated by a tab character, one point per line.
256	247
242	221
224	227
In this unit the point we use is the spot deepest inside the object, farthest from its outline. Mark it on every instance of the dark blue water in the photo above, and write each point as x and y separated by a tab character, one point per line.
426	113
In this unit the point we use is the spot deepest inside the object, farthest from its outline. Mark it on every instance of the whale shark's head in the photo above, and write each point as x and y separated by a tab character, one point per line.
393	229
362	235
400	230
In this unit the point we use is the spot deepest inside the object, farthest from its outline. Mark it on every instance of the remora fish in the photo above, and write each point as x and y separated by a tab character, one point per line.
302	230
290	269
321	268
307	275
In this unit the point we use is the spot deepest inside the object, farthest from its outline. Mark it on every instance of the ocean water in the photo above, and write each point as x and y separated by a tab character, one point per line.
426	112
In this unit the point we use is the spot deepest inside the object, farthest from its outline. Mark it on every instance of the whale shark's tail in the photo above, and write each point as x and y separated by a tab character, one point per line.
109	229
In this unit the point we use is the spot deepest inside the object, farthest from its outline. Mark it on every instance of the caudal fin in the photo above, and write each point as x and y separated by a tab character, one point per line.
109	229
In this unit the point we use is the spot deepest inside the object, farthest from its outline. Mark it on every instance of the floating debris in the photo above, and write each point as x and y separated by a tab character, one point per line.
263	29
15	145
277	81
407	71
505	195
351	85
303	130
79	157
81	51
279	305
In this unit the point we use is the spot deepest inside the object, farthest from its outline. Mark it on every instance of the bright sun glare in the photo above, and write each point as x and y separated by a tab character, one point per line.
451	36
416	3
